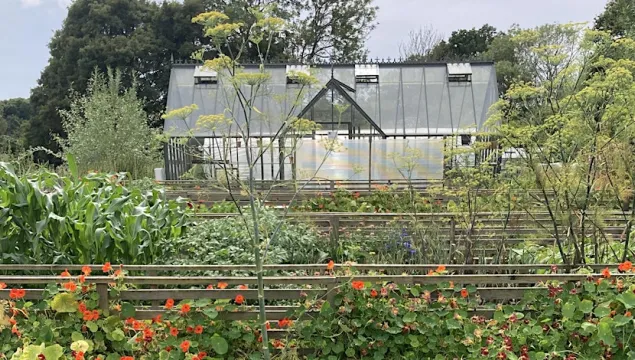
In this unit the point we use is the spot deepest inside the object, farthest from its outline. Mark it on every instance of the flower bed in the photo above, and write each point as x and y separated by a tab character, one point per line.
588	317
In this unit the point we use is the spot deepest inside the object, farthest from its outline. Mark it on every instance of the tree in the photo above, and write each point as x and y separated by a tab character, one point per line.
15	116
618	18
572	127
420	43
465	45
96	34
331	30
108	129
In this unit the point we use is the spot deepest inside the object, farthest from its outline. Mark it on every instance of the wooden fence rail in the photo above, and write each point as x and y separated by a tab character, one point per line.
494	284
515	227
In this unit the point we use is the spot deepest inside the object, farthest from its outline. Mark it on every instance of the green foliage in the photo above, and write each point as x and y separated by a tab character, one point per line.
421	322
15	116
107	129
465	45
229	241
47	218
573	125
618	18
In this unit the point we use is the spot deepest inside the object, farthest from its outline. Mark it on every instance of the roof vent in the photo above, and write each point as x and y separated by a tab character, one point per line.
459	72
367	74
205	76
296	69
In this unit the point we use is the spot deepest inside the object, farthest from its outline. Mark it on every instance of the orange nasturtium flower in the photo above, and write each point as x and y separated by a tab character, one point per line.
3	286
185	346
81	279
358	285
169	304
198	329
86	270
126	358
330	265
464	293
70	286
606	273
373	293
107	267
222	285
243	287
440	268
185	308
17	294
174	331
625	266
65	273
239	299
283	323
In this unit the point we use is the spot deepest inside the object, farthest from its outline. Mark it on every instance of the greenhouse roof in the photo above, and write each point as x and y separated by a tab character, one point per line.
383	99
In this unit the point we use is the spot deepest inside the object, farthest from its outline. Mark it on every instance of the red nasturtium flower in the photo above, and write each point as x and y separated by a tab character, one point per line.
86	270
606	273
330	265
286	322
210	287
3	286
157	319
81	279
185	346
358	285
198	329
81	307
373	293
267	325
107	267
222	285
464	293
627	314
126	358
79	355
243	287
87	315
65	273
17	294
239	299
70	286
174	331
202	354
169	304
185	308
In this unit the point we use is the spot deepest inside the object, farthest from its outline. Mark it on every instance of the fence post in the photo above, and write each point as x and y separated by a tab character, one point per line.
102	291
330	291
334	223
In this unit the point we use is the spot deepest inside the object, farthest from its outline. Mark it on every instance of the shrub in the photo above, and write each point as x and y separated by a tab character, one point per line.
228	241
108	129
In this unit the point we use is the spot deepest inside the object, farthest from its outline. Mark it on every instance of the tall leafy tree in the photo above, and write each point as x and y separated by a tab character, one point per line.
96	34
331	30
618	18
15	116
465	44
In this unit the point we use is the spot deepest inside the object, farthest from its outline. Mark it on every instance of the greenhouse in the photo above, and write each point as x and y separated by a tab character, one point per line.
377	111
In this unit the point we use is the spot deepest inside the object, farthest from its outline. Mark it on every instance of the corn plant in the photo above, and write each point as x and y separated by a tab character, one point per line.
47	218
